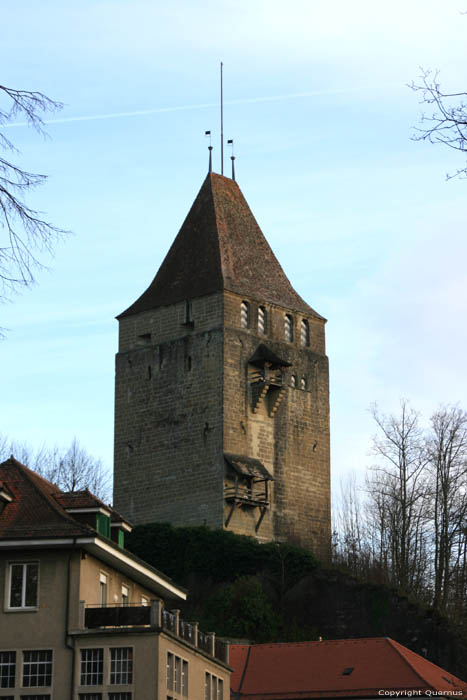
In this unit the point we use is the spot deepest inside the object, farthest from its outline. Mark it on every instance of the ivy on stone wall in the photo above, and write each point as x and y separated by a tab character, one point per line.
218	555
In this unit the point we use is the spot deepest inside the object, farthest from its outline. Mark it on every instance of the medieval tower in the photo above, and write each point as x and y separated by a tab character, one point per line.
222	387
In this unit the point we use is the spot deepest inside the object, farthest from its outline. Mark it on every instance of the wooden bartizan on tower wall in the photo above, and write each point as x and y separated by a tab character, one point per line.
222	387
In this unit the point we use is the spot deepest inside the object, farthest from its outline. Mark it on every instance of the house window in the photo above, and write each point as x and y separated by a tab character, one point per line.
119	696
245	314
121	665
7	669
92	666
288	328
305	333
144	600
103	579
262	318
293	381
303	383
170	671
125	595
185	678
24	579
177	674
37	668
90	696
213	687
33	697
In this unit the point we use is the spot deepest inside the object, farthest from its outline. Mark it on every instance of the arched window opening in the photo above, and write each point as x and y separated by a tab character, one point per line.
245	314
288	327
262	319
293	381
305	333
303	383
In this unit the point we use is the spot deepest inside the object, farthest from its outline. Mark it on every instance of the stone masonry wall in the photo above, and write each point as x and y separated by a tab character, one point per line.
168	415
293	444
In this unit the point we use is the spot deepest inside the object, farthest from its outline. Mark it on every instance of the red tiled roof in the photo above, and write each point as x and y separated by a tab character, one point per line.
220	246
317	670
79	499
34	511
86	499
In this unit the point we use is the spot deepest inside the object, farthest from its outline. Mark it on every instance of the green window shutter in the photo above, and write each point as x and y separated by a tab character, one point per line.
103	524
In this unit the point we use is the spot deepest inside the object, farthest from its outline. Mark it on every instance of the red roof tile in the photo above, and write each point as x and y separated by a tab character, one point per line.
34	511
79	499
220	246
317	669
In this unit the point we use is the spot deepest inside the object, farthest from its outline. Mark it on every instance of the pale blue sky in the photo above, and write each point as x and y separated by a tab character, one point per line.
361	217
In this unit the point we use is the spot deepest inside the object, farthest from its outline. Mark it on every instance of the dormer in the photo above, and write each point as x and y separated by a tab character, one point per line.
89	510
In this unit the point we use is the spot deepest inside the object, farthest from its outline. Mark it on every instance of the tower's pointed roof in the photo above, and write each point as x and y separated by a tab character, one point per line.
220	247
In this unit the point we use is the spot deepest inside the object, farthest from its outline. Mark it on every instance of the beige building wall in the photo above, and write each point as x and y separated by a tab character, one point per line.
198	666
65	578
43	628
89	583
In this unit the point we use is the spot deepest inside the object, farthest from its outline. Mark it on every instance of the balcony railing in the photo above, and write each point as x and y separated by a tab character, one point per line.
269	376
246	495
156	616
117	616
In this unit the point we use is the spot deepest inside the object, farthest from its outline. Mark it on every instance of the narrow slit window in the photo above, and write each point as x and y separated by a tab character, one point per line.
293	381
305	333
303	383
288	328
262	319
245	314
188	311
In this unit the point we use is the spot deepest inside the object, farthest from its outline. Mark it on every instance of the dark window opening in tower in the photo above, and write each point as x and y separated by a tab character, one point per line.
305	333
262	319
288	328
188	311
144	339
245	314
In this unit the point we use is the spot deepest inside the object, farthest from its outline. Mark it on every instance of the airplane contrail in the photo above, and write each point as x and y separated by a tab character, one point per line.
206	105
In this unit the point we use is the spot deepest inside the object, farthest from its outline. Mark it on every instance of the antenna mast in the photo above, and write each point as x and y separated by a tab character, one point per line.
222	120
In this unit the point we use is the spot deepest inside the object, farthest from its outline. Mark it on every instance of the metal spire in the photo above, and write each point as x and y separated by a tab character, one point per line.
232	158
208	133
222	120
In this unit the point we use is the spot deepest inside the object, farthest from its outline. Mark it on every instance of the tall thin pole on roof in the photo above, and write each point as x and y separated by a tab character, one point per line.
222	120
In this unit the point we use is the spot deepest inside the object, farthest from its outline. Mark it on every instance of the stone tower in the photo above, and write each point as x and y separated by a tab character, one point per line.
222	387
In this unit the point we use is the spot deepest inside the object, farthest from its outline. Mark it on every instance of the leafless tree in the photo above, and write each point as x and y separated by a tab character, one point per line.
398	492
71	469
447	450
349	526
446	123
25	233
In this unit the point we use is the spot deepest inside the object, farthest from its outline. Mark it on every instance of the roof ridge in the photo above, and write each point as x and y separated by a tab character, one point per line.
217	215
394	645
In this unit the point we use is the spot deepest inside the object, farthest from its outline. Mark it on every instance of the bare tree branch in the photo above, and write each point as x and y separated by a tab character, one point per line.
447	122
26	234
